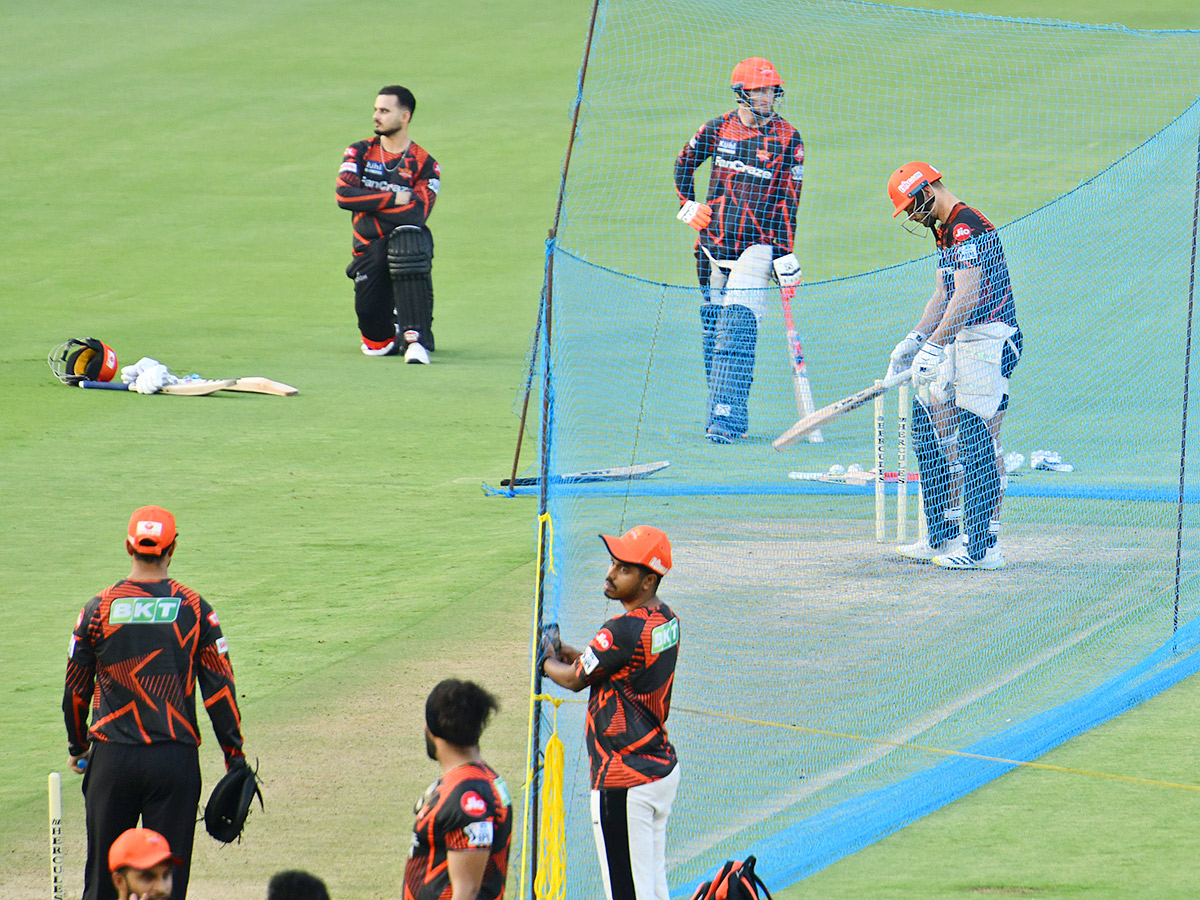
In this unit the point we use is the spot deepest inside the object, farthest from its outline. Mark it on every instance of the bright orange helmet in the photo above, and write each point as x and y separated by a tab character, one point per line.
83	359
754	73
907	181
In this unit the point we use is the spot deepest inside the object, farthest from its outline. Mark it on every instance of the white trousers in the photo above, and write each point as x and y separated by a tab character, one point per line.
631	838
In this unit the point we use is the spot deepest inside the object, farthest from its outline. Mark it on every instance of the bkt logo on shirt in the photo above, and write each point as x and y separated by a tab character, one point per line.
144	611
665	636
373	167
473	804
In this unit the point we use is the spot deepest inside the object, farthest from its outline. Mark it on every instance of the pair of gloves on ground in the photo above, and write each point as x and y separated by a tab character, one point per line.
147	376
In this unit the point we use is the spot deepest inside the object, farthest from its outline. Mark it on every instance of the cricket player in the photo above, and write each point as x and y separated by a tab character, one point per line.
962	351
390	184
746	233
464	821
629	667
141	863
137	652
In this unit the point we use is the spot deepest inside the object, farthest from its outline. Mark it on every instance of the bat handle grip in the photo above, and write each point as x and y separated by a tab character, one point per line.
104	385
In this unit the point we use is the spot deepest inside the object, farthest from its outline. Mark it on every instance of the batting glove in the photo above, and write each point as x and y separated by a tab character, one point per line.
902	356
698	215
129	374
925	363
154	379
787	271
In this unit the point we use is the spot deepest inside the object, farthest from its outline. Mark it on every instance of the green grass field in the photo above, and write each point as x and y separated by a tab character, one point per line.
169	189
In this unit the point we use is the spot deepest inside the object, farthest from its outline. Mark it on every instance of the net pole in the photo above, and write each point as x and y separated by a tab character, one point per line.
1187	365
551	239
547	319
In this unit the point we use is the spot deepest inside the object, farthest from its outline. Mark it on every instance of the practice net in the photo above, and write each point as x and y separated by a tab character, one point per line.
820	676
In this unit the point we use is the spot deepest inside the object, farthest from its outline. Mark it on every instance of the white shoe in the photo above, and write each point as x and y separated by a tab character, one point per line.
388	349
416	353
922	552
992	559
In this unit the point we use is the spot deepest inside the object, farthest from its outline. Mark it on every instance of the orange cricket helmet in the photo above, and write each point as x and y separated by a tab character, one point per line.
908	181
755	72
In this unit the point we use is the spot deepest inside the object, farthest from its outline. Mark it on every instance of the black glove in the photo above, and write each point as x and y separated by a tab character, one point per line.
230	801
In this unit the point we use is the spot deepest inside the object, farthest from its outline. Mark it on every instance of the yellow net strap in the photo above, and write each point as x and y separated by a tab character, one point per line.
551	882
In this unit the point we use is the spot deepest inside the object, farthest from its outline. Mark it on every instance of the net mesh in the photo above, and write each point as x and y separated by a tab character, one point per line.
818	671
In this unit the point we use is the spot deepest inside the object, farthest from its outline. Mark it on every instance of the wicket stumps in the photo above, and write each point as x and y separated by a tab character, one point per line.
56	861
903	406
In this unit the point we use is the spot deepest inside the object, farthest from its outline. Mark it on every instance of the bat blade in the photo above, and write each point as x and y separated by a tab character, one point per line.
800	383
200	387
259	385
838	408
618	473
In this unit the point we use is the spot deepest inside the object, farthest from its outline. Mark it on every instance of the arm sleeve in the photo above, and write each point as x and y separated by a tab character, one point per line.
80	681
215	674
610	650
698	149
468	817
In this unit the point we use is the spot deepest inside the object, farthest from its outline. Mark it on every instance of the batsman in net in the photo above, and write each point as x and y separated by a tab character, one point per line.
746	232
962	352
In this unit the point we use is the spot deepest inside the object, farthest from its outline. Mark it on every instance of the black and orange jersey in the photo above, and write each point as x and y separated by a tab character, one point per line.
754	188
468	808
630	668
968	240
369	183
136	654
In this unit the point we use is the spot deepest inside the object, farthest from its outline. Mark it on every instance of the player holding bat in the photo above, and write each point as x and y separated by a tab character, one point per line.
746	232
962	351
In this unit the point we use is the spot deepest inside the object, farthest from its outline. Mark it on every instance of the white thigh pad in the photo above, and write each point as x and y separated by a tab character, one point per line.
978	385
749	280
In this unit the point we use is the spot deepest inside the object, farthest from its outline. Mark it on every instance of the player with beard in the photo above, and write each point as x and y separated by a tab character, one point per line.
390	184
629	667
464	820
962	351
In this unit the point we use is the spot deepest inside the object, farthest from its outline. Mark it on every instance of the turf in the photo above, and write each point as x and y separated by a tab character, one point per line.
169	189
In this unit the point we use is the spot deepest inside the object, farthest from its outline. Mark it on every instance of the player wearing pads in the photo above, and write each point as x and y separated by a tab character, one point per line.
746	233
464	820
138	650
962	351
390	185
629	667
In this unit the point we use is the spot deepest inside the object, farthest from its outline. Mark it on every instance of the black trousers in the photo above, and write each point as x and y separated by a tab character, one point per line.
160	783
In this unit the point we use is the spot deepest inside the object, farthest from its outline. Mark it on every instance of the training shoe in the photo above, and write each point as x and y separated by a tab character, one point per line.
992	559
922	552
416	354
384	349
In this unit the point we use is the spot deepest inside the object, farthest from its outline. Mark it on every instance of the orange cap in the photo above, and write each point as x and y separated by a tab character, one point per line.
643	545
151	530
906	181
140	848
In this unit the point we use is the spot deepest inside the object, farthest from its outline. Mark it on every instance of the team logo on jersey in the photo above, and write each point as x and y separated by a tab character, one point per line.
473	804
962	231
800	154
144	611
479	834
729	148
603	639
665	636
588	660
763	155
375	168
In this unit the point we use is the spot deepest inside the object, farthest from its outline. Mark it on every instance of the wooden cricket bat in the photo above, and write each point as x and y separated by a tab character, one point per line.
800	384
197	388
259	385
828	413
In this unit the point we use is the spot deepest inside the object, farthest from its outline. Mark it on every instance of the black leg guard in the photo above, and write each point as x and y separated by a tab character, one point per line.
413	296
981	481
935	475
732	372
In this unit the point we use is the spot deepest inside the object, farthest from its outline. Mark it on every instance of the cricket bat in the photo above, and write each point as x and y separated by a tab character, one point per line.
800	384
260	385
839	408
197	388
618	473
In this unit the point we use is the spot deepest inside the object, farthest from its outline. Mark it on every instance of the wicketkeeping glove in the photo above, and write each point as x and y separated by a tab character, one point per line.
787	271
902	356
230	801
698	215
924	364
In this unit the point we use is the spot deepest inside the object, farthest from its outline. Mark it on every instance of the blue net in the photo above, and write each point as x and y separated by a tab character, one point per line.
824	682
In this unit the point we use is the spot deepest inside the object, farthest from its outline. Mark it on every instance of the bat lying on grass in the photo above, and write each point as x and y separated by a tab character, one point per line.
839	408
619	473
201	387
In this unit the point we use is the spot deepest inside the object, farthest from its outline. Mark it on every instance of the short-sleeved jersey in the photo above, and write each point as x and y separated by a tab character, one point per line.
469	808
754	188
136	654
370	181
630	668
968	240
